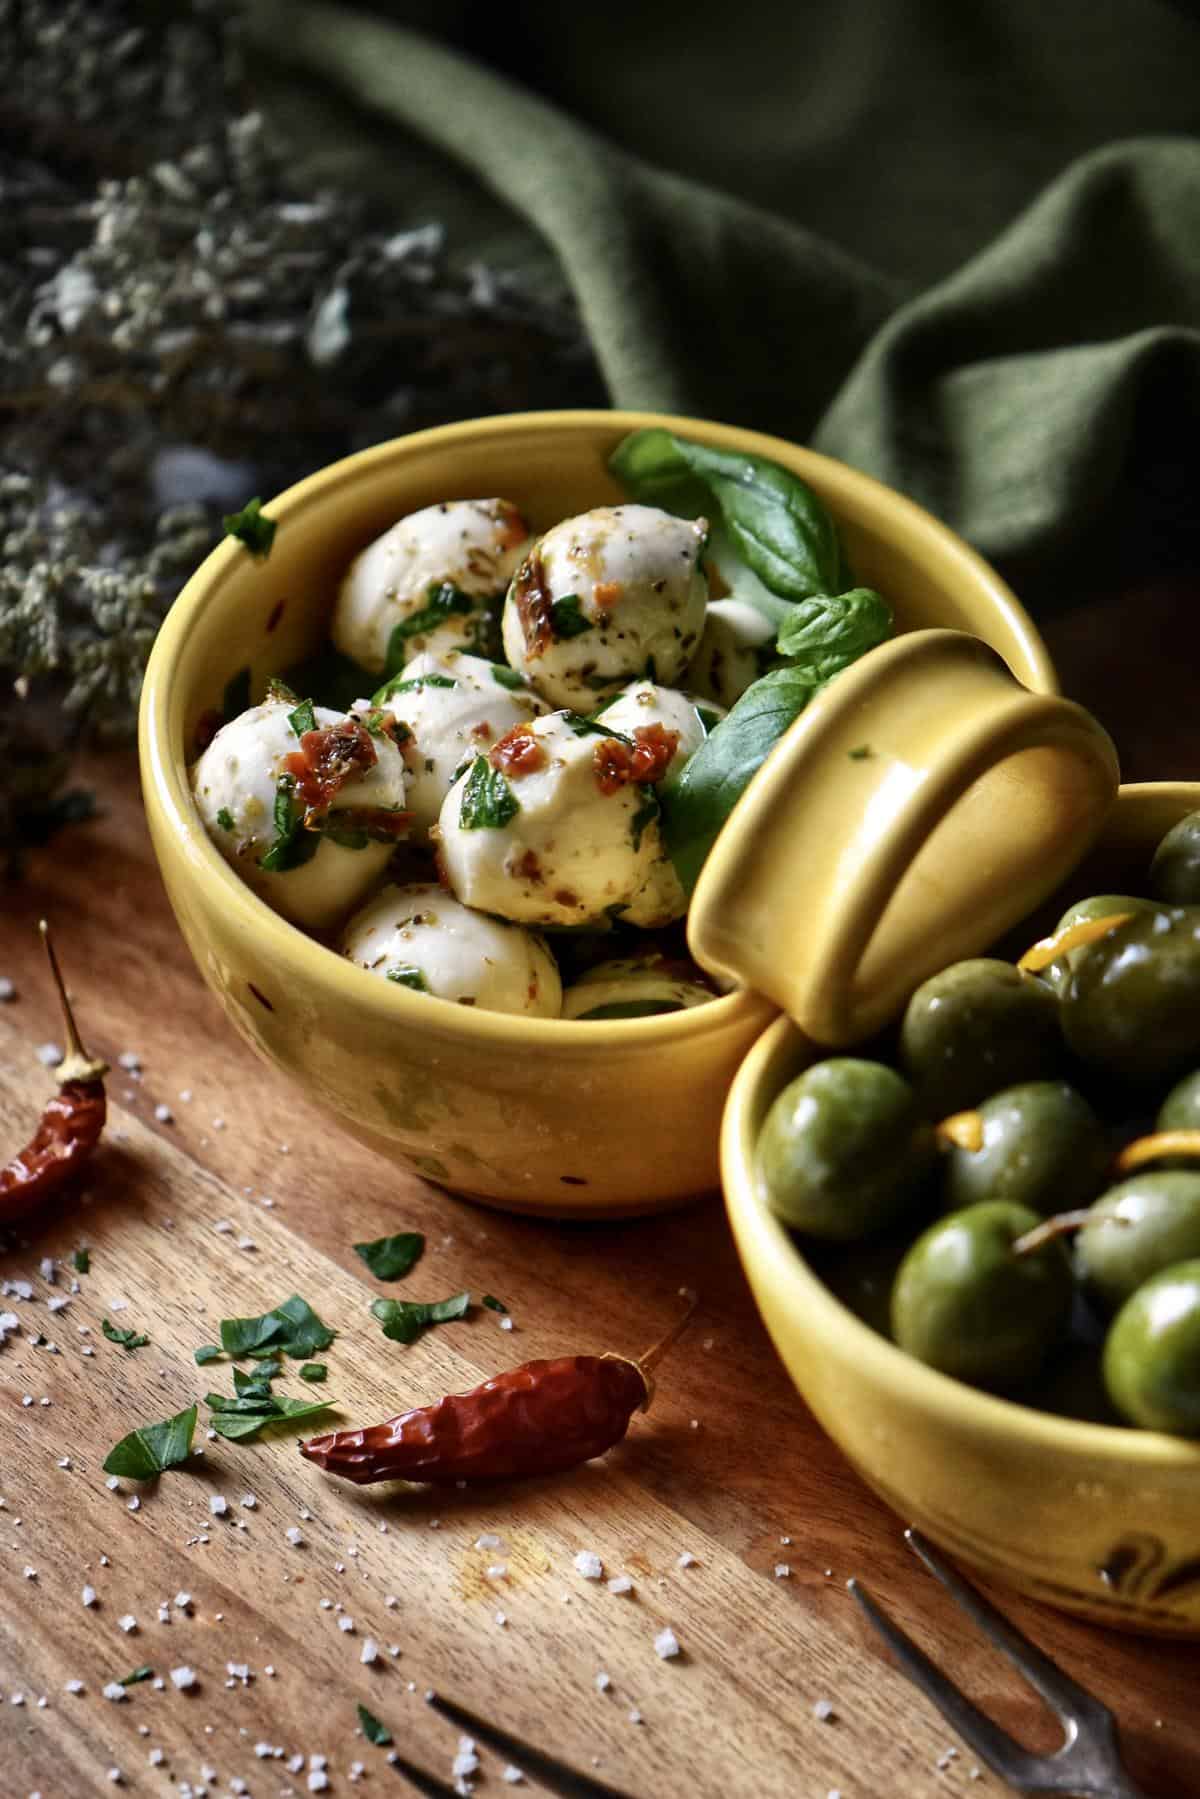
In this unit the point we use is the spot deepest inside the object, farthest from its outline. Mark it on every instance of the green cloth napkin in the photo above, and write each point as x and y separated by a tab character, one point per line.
956	246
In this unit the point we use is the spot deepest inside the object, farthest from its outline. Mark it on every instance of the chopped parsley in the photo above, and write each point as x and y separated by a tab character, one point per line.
580	726
493	1304
403	1320
138	1674
443	601
314	1372
303	718
293	844
252	528
414	685
225	818
391	1258
152	1448
372	1729
81	1261
488	802
129	1340
254	1405
207	1352
567	617
507	677
405	974
646	814
860	753
292	1329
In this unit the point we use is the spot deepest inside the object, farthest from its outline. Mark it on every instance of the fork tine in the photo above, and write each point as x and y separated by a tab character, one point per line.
993	1745
1064	1695
552	1773
429	1784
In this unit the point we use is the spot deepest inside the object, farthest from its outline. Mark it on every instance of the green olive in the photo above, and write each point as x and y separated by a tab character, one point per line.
1175	870
1152	1353
1136	1229
1043	1147
1131	1008
844	1150
976	1028
1099	905
965	1303
1180	1111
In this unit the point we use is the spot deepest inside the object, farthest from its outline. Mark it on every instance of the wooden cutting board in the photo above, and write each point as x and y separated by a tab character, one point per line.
728	1468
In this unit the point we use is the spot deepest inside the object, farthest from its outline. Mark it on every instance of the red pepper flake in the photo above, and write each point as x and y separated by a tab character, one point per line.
518	752
654	748
326	760
612	761
531	597
606	594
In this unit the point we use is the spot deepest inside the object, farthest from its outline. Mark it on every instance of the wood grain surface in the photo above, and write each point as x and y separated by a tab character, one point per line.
728	1466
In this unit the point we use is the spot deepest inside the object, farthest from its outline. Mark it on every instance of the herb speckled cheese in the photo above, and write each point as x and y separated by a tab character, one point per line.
464	550
646	703
456	707
235	781
420	938
633	986
736	645
600	599
547	845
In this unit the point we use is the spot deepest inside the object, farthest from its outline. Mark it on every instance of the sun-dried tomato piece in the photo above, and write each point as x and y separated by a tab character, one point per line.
518	752
326	760
654	746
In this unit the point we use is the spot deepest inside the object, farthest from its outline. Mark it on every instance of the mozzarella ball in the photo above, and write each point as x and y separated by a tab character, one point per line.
427	582
420	938
236	782
735	647
456	707
660	899
615	593
645	703
635	986
549	828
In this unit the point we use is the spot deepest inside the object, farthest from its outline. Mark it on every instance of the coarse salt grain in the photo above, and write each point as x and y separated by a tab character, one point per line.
488	1541
391	1602
156	1758
588	1563
249	1501
603	1681
164	1114
782	1571
666	1644
127	1623
134	1505
370	1651
49	1054
88	1595
294	1535
823	1711
512	1775
218	1506
318	1780
346	1623
75	1686
114	1691
620	1583
7	989
686	1560
183	1678
183	1601
498	1571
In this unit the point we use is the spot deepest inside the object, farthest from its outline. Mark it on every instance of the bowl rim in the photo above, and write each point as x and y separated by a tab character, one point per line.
164	773
765	1244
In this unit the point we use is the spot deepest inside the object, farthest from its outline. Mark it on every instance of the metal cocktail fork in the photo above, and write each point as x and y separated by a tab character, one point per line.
1089	1762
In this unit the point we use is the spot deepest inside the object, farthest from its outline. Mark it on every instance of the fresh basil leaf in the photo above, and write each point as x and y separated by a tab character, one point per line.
303	718
138	1675
129	1340
391	1258
567	617
775	521
81	1261
406	975
488	802
238	1426
372	1729
507	677
393	687
278	693
492	1303
293	845
579	726
291	1329
403	1320
648	812
258	1383
252	528
631	1008
207	1352
823	635
152	1448
697	805
225	818
314	1372
443	601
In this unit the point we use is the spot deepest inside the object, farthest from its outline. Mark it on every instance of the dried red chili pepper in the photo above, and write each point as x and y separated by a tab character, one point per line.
540	1418
70	1126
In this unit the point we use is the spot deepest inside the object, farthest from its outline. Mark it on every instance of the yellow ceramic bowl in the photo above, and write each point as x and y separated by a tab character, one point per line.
533	1115
1099	1520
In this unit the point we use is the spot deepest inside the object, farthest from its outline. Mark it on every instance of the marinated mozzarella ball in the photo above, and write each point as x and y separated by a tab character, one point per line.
245	791
425	584
456	707
660	899
645	703
634	987
735	646
615	593
551	827
421	938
